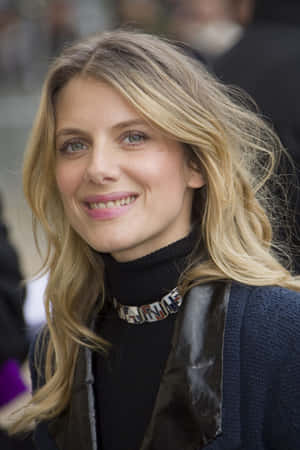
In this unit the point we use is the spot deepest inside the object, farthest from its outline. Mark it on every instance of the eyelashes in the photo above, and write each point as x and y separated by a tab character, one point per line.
134	137
73	146
129	139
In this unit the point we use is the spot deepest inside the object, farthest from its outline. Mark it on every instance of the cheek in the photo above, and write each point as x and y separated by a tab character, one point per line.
67	179
163	171
172	177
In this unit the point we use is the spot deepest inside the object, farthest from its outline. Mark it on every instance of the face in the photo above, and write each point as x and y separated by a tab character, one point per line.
126	189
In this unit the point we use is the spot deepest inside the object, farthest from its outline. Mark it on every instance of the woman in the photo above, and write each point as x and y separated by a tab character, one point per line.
170	325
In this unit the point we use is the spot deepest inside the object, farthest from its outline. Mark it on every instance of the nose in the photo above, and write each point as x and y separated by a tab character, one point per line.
103	165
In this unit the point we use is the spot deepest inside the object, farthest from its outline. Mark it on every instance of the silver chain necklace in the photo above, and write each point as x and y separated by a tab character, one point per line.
152	312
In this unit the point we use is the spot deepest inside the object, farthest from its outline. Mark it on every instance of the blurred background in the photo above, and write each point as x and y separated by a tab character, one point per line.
32	32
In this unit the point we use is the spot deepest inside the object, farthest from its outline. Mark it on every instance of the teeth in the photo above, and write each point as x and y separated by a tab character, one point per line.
113	204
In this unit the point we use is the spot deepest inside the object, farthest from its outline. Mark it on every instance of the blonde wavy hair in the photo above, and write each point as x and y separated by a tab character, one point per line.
231	145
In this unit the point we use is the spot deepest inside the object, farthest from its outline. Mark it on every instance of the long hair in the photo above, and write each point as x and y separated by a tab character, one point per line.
232	147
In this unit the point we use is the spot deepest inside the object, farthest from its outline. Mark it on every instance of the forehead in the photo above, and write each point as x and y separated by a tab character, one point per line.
86	100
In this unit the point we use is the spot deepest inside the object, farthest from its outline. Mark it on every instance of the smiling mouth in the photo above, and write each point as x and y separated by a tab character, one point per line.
113	203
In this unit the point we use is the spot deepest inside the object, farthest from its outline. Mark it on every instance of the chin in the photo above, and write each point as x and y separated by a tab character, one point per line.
112	247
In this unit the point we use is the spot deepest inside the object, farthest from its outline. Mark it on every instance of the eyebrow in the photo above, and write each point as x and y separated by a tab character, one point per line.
129	123
69	131
117	126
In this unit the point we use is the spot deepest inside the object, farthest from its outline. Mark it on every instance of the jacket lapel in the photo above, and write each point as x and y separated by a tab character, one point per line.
188	409
72	429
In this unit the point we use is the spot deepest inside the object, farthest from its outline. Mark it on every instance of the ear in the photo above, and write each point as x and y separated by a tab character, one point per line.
194	175
195	179
193	171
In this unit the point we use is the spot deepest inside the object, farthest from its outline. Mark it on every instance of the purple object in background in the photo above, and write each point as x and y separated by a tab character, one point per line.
11	383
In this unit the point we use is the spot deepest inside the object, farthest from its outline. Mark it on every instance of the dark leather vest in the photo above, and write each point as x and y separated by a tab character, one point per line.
188	410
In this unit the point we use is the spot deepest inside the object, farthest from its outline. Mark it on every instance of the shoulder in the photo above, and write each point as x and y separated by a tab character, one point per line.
263	300
269	316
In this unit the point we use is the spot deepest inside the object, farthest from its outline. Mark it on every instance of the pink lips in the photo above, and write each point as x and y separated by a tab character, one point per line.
109	197
108	213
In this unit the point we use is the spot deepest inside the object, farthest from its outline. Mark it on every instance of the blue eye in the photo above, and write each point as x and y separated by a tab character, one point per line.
134	138
73	147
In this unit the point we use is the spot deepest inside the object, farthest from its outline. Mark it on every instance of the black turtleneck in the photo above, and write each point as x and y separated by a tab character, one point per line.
128	380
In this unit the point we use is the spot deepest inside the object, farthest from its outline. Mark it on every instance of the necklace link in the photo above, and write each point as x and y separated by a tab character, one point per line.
152	312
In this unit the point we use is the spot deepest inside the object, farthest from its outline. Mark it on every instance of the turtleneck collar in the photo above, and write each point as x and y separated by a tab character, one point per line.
147	279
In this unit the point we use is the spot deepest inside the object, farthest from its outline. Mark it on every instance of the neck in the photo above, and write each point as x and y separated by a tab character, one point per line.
147	279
